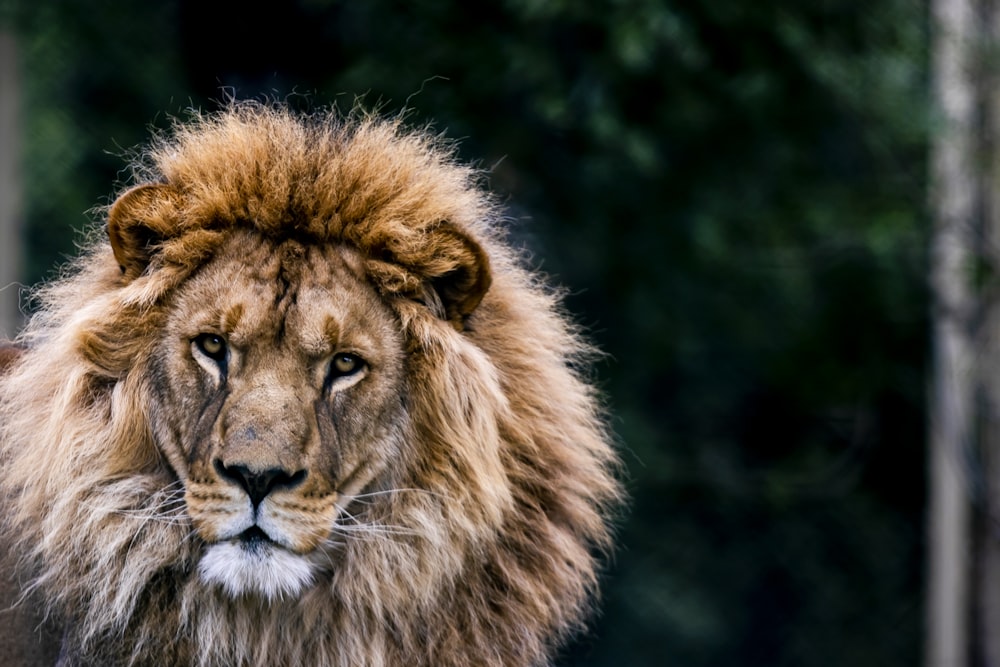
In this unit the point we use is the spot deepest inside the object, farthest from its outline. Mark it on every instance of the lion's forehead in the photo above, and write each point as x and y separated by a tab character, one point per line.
316	297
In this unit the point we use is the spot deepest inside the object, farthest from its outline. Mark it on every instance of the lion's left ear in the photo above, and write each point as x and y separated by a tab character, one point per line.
137	222
442	268
458	272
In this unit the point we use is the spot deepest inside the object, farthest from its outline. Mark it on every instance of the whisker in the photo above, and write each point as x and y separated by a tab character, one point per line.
358	528
372	532
373	494
168	506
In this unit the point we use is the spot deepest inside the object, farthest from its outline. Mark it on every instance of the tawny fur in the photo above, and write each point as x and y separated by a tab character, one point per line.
498	498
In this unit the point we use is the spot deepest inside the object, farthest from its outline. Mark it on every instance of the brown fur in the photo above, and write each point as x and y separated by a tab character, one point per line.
449	492
8	355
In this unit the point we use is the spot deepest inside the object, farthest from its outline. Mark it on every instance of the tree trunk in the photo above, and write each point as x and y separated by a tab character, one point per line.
10	188
953	203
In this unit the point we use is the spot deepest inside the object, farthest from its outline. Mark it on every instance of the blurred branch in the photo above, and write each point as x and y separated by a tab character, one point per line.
987	588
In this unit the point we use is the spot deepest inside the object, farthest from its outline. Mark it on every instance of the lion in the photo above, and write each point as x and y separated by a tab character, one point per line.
303	403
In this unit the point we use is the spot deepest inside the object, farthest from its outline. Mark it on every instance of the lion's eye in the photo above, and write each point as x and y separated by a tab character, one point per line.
212	346
345	364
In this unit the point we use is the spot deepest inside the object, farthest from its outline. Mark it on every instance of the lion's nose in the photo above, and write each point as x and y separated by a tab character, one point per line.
258	484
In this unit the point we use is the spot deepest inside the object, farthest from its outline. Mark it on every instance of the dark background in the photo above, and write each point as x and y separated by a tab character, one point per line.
733	194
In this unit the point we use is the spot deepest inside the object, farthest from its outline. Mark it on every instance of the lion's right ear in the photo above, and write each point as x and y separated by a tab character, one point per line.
137	222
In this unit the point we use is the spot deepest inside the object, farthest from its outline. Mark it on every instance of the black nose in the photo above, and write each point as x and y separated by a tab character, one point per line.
259	484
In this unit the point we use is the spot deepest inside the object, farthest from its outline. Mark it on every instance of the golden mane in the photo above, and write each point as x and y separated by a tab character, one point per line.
513	448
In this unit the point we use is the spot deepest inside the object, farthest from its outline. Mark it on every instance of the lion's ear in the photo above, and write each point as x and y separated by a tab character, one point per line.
459	272
137	222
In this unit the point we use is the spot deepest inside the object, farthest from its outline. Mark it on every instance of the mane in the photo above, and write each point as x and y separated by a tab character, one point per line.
492	559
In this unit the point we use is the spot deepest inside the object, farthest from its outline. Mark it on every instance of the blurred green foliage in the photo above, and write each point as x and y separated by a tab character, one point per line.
733	194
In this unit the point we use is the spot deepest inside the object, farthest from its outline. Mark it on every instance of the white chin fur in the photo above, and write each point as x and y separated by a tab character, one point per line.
264	569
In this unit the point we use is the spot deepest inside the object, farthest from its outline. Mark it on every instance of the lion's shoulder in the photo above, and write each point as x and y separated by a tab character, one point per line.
30	638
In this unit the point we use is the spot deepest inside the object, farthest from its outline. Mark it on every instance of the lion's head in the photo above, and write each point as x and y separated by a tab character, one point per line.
302	405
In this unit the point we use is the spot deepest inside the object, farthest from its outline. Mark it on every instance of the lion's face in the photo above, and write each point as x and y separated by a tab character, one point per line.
281	371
